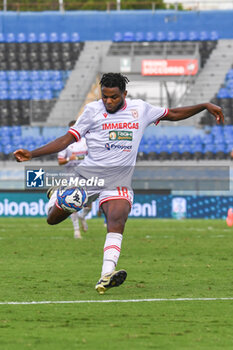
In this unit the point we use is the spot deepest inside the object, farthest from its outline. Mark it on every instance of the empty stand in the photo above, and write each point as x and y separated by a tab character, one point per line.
223	98
217	144
33	71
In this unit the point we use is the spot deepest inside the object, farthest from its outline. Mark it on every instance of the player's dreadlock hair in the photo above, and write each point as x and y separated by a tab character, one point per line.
114	80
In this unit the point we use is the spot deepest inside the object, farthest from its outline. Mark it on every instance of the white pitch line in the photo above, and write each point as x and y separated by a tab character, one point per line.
109	301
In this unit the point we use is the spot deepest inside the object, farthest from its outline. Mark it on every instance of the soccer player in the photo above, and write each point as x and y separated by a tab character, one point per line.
113	128
71	157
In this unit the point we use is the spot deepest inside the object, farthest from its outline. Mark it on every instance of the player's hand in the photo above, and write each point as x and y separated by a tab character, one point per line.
22	155
216	111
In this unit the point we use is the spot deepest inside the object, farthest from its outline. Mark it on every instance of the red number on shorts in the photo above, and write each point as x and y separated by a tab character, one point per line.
123	191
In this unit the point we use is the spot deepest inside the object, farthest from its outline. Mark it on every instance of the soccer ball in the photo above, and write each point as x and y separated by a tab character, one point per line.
71	199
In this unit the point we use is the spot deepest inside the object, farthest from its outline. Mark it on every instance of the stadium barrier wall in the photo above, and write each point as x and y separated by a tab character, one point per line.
34	204
102	25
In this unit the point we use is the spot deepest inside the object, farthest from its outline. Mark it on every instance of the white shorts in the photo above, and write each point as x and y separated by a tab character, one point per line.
104	196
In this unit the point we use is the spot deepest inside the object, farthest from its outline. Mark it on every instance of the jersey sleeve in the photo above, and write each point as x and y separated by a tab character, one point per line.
154	114
82	125
62	154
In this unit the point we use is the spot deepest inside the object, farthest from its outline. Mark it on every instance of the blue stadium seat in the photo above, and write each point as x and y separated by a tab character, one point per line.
151	140
53	37
4	95
57	85
197	147
229	74
21	38
23	75
34	75
55	75
3	75
208	139
5	140
196	139
185	139
174	139
214	35
230	93
2	38
3	85
36	84
229	84
30	146
209	147
24	85
64	38
162	140
43	38
221	151
13	94
223	93
5	131
16	140
203	35
220	147
36	94
160	36
46	95
193	36
150	36
139	36
186	151
32	38
7	149
175	148
182	36
75	37
25	95
13	85
128	36
45	75
16	130
229	148
118	37
12	75
171	36
10	38
46	85
218	139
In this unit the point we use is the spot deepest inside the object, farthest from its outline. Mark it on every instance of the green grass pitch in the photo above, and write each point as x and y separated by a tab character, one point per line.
165	259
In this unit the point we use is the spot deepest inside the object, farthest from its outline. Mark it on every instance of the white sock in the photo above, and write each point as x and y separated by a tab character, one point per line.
112	249
74	218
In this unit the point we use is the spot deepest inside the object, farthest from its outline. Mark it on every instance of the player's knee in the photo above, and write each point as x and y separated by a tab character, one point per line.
51	220
116	223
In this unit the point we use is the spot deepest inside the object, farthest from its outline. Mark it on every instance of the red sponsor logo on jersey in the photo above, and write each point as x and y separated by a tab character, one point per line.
111	126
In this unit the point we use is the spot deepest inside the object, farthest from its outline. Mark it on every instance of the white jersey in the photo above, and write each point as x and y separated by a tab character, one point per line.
113	139
78	148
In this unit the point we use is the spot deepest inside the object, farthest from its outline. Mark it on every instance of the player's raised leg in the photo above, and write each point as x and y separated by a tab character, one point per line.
63	202
55	213
116	212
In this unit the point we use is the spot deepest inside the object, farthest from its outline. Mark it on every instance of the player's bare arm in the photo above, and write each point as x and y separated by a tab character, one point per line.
180	113
22	155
